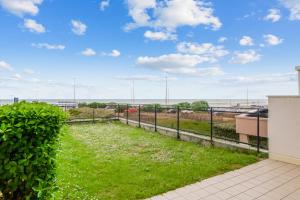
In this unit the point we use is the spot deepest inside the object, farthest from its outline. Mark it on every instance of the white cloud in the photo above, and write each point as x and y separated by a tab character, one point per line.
138	12
273	15
179	64
33	26
115	53
222	39
171	14
246	41
272	40
104	4
144	78
5	65
159	35
78	27
206	50
88	52
21	7
294	7
48	46
16	77
186	12
245	57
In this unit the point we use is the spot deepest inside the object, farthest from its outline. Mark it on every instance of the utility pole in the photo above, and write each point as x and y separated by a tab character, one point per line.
247	96
133	97
166	98
74	90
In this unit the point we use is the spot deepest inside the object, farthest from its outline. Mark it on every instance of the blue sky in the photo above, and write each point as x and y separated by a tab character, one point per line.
208	49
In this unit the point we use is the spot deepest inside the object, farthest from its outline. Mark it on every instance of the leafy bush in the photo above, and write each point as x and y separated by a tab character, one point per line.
97	105
184	105
200	106
74	112
151	108
28	143
92	105
226	131
81	105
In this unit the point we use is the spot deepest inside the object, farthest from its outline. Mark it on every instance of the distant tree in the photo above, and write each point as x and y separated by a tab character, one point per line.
97	105
151	108
80	105
200	106
184	105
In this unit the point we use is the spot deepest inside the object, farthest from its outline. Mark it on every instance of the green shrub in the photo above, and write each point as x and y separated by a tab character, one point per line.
81	105
74	112
97	105
200	106
226	131
184	105
151	108
28	143
92	105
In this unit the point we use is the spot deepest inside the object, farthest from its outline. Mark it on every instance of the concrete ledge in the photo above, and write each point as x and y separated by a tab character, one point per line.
284	158
191	137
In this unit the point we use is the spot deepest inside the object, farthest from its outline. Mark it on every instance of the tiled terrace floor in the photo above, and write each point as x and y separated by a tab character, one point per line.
265	180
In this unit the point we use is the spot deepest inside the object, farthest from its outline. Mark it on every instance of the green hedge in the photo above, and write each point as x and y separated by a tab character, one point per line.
29	135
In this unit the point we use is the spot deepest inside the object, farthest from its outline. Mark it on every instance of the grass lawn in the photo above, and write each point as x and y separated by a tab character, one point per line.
198	127
115	161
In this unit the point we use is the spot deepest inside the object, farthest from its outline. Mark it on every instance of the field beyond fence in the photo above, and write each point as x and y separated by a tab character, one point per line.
241	126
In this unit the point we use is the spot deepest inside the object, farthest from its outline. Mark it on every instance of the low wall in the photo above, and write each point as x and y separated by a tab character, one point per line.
284	128
246	126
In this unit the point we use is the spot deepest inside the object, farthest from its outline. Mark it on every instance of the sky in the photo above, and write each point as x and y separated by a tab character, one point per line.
208	49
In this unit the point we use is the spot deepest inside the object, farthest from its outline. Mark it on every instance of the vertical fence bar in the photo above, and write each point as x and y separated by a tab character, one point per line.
211	124
178	122
139	116
155	118
118	110
258	130
93	115
127	107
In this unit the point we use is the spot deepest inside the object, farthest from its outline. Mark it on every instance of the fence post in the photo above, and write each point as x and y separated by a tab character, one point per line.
178	122
93	115
118	110
127	107
155	118
258	130
139	116
211	124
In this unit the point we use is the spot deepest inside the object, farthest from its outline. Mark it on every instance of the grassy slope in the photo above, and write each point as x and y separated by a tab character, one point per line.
115	161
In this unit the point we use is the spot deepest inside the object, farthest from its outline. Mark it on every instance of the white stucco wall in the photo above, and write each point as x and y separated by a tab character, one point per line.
284	128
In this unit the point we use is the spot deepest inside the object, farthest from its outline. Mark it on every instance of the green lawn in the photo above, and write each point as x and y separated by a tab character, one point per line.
115	161
195	126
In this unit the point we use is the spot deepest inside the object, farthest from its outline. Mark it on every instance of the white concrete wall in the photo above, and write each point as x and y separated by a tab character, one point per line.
284	128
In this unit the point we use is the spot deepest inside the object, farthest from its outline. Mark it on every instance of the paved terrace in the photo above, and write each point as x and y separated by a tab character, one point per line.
265	180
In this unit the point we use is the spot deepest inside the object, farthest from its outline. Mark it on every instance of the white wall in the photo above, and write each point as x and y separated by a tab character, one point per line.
284	128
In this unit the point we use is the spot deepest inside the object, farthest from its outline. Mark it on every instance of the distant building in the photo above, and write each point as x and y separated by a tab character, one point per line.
66	105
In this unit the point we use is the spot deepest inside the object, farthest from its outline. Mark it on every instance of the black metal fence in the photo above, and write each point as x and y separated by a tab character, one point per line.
246	126
238	125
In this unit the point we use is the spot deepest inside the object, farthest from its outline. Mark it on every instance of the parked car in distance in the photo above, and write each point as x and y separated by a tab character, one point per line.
132	110
172	111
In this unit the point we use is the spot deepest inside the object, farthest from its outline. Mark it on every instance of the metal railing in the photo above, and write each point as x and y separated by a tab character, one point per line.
214	123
